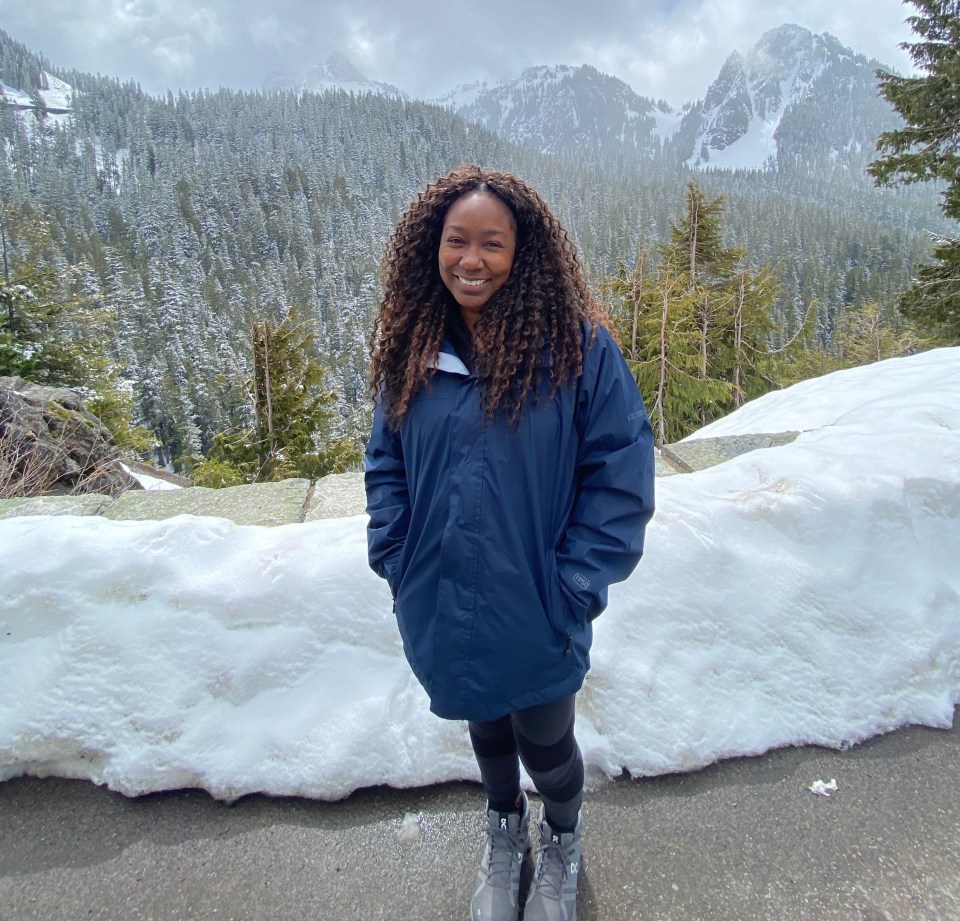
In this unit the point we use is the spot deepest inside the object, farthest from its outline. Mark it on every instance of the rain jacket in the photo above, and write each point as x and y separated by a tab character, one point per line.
499	543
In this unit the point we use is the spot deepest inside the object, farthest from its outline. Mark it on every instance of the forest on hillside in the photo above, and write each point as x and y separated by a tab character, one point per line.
192	217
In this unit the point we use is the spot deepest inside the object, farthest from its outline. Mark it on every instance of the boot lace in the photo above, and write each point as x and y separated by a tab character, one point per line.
551	869
504	846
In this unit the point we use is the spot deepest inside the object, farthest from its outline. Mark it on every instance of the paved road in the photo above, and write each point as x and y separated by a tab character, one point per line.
740	841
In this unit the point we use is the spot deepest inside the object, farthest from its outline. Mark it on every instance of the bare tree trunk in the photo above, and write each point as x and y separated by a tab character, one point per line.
11	318
256	395
658	403
694	229
266	382
637	294
704	353
738	341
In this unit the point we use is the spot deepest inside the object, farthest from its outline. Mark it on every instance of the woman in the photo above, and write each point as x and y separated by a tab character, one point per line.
509	479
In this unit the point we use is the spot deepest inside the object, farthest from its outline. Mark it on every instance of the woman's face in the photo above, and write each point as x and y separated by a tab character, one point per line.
477	244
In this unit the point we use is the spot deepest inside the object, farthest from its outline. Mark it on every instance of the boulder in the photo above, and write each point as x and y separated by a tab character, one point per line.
51	445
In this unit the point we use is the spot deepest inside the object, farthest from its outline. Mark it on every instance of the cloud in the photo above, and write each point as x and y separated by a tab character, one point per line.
663	48
269	30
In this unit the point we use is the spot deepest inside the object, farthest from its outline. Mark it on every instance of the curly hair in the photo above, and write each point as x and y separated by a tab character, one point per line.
530	328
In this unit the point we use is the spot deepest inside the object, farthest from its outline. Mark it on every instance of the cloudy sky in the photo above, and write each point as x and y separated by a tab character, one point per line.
668	49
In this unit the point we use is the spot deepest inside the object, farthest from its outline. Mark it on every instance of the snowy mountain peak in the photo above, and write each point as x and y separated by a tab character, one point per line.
339	69
781	99
337	72
560	107
790	83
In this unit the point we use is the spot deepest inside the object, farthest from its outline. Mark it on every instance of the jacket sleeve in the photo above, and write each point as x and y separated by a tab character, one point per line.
388	499
614	502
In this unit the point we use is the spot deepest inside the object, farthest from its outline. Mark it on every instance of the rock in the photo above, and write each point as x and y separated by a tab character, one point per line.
338	495
90	504
700	453
51	445
267	504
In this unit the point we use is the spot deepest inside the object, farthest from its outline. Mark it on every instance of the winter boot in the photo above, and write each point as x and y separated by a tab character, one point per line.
497	897
553	894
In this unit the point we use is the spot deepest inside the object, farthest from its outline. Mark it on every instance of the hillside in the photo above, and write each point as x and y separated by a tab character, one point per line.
794	98
189	216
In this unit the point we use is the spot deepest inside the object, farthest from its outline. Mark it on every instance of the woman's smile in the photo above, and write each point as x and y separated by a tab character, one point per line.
477	245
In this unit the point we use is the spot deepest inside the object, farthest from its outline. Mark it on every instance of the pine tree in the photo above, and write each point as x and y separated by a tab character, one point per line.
868	334
48	333
655	316
292	414
696	246
698	329
928	148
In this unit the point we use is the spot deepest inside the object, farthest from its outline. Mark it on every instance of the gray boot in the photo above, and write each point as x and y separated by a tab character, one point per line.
497	897
553	893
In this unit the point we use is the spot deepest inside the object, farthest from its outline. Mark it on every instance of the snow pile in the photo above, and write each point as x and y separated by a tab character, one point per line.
807	593
149	482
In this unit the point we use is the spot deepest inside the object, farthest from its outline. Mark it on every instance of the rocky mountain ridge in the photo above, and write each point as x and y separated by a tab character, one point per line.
562	108
795	96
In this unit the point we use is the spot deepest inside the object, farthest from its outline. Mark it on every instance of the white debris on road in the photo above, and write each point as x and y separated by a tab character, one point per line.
819	788
410	829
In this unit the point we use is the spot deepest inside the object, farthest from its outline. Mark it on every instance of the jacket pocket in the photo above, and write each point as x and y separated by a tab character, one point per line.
560	612
392	574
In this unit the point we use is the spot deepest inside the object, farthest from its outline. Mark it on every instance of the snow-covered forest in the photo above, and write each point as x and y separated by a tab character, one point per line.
190	217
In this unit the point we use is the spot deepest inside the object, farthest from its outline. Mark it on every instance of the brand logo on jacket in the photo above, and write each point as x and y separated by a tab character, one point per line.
581	580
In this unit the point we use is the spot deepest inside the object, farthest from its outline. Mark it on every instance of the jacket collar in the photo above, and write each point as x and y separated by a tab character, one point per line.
448	360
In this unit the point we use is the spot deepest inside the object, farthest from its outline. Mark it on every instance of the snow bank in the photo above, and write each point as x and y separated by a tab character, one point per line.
803	594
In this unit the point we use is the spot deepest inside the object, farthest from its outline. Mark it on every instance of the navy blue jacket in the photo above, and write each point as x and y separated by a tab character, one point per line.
499	543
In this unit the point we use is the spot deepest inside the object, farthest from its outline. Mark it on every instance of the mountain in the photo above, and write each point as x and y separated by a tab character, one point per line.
794	97
337	73
190	216
562	108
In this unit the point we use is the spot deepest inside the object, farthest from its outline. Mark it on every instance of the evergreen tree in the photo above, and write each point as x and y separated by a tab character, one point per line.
929	148
868	334
48	333
696	246
291	410
752	361
655	316
698	329
696	241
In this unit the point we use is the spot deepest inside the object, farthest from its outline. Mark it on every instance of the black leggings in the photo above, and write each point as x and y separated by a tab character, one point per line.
542	737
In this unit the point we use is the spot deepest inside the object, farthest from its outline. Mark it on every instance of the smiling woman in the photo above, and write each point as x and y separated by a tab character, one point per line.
477	244
509	479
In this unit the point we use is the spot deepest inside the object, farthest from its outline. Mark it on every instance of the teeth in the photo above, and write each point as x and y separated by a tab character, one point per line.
473	282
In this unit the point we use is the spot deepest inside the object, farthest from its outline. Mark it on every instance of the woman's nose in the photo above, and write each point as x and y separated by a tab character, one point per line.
471	258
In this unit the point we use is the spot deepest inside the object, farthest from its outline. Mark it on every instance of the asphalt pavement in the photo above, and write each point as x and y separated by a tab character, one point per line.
743	840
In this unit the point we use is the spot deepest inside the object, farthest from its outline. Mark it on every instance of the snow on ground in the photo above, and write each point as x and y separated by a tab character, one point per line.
808	593
667	123
901	386
13	96
753	151
149	482
58	94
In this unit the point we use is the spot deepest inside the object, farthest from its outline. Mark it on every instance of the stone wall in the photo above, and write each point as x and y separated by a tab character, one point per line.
336	496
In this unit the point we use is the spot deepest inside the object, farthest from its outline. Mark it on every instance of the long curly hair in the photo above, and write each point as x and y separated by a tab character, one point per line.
529	331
